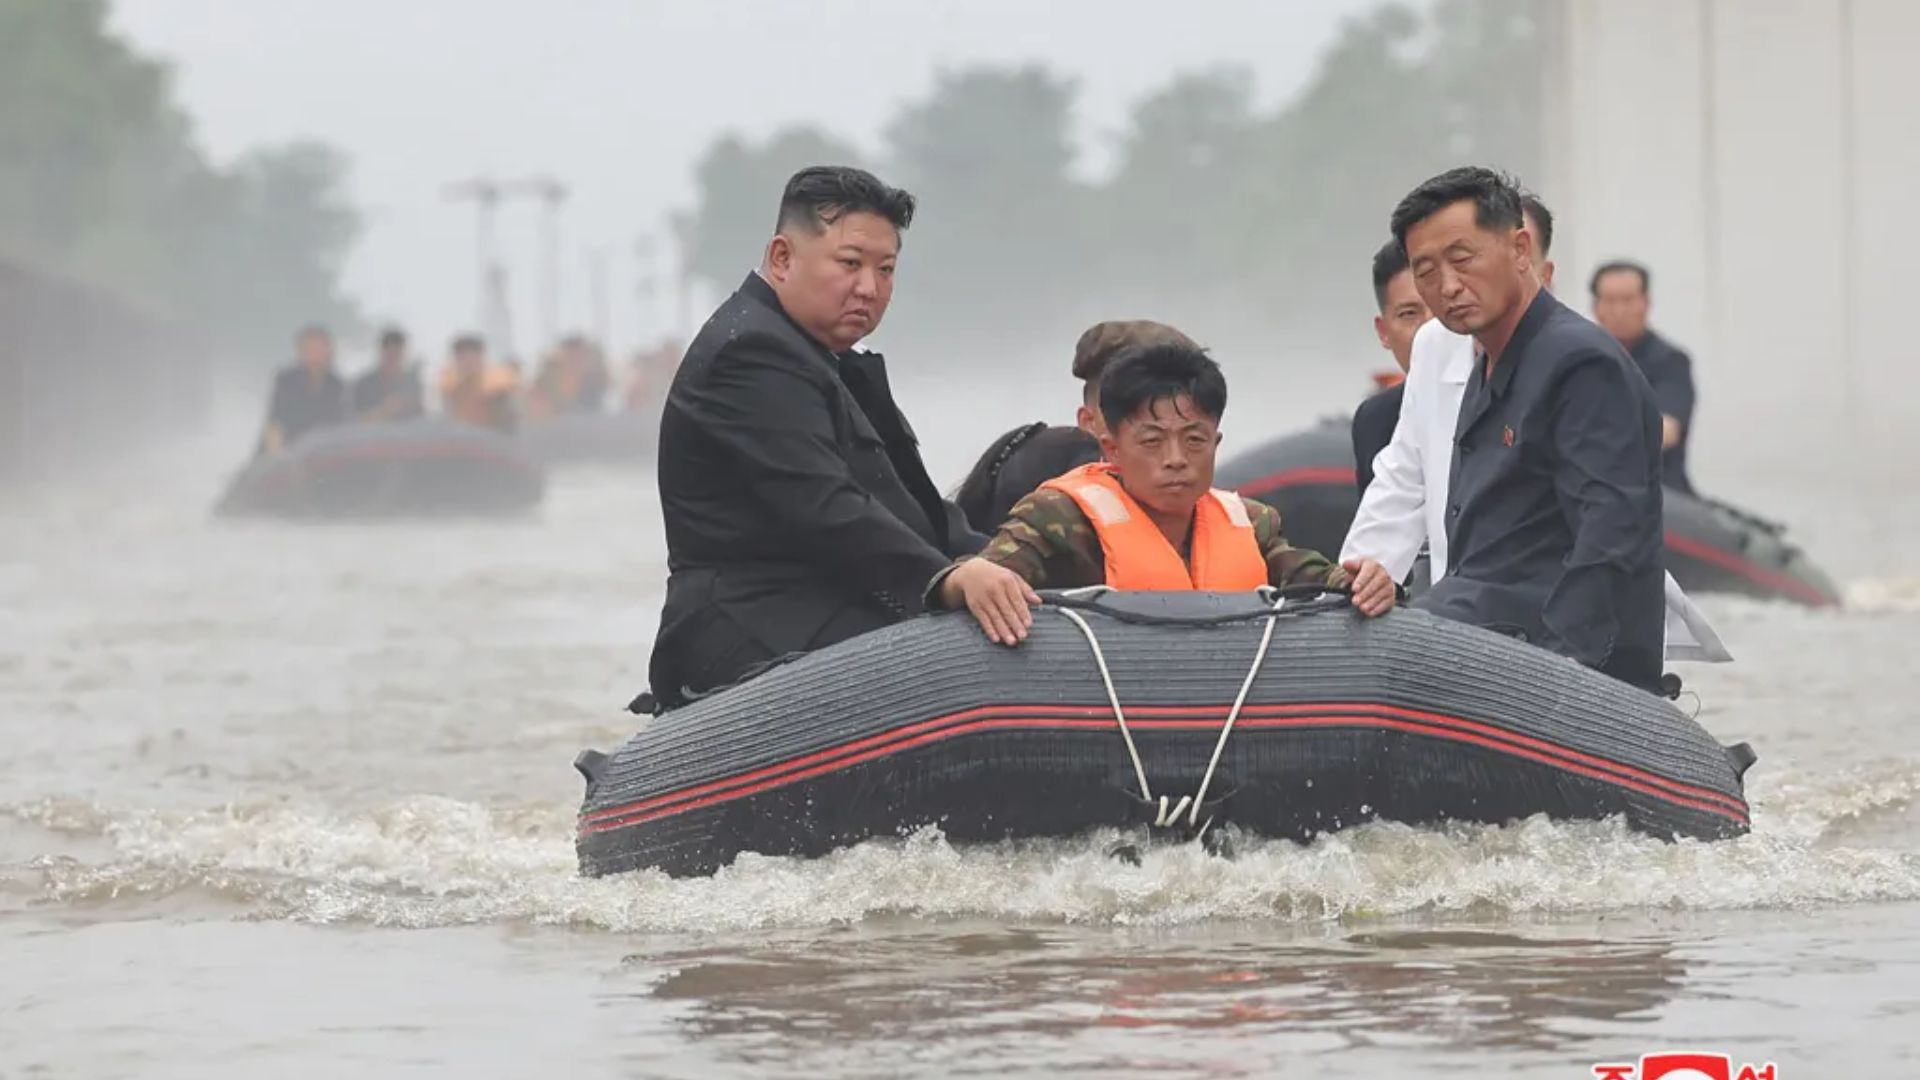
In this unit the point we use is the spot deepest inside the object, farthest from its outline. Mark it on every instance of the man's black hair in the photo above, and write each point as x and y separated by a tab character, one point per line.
819	195
1617	265
391	336
1388	262
469	341
1495	197
1141	376
1537	212
313	330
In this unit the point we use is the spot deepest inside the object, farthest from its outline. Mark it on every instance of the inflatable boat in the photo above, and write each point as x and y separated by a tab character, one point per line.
1173	713
1711	547
1308	476
611	438
429	466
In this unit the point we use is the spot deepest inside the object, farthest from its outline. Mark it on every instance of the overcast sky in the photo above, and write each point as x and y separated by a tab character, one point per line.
618	98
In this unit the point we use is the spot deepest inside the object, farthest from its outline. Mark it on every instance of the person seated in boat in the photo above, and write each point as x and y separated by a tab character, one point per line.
474	391
391	391
571	379
1147	517
308	394
1017	462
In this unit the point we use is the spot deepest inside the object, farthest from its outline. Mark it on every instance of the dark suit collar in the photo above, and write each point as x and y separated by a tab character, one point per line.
1543	308
760	291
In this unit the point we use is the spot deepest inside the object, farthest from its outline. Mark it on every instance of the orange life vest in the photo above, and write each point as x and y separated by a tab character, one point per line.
1226	557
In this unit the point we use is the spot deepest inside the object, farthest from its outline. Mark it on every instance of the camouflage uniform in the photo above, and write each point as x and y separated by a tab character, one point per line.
1049	541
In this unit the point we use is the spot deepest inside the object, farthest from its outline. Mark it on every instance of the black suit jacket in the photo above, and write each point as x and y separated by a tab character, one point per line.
1553	515
797	510
1373	424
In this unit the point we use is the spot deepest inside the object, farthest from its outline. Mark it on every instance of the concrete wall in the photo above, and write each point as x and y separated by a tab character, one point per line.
1754	153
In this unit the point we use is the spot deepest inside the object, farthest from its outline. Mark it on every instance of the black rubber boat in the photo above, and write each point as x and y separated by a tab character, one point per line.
1711	547
426	467
1404	718
607	438
1308	476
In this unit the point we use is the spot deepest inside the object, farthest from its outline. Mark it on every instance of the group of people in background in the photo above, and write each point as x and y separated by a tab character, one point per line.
472	387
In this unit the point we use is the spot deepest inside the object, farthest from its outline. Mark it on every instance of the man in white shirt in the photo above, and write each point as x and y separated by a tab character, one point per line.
1404	507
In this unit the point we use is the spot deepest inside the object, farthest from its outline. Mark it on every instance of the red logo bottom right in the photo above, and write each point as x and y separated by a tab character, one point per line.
1685	1065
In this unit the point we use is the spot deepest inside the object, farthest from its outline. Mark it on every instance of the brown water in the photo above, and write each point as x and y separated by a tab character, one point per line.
295	801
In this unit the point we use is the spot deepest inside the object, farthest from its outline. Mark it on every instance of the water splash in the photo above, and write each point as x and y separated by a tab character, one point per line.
429	861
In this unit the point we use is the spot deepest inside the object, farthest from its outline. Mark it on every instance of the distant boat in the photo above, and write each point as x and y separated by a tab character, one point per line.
1711	547
425	467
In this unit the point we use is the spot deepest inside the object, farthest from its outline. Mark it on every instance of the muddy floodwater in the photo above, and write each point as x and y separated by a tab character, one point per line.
296	801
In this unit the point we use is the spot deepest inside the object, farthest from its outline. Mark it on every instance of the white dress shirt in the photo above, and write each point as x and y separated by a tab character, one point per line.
1406	504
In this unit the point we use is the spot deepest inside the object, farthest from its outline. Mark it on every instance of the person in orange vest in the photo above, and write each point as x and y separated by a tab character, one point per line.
474	391
1148	517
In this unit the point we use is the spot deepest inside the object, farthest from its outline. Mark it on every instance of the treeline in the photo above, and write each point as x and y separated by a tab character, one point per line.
103	183
1250	222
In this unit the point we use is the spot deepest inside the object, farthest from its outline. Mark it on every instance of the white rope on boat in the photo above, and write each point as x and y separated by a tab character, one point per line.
1167	815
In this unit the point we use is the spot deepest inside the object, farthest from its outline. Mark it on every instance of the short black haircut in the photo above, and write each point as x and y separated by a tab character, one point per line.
1495	197
313	330
1139	377
393	335
1388	263
1537	212
1617	265
469	341
819	195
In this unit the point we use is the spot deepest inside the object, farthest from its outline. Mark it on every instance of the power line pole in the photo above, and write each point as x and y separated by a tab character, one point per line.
484	192
551	193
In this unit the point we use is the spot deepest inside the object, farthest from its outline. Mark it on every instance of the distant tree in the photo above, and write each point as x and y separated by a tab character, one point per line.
101	181
1002	227
739	187
1258	225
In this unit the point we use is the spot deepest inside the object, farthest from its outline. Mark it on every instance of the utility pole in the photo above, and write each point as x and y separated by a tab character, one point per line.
647	288
551	193
484	192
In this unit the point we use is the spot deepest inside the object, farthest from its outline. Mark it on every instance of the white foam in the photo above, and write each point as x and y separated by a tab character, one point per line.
428	861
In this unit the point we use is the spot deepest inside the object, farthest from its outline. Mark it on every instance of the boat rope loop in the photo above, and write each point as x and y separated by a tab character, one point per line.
1167	812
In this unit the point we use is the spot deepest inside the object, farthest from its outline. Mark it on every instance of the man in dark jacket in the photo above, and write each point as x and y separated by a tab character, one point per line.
1402	314
308	394
1553	515
391	390
1620	303
798	512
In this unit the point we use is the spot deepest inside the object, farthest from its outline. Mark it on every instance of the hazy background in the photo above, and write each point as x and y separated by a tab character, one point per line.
205	175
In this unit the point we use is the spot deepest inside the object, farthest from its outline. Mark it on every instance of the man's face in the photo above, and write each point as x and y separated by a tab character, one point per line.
316	352
1164	454
393	354
468	360
1469	277
1402	317
1620	305
836	283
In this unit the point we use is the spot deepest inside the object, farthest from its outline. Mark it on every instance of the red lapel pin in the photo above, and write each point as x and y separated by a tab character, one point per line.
1506	436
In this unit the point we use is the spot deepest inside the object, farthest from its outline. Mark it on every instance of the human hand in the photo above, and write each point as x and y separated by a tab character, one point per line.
1372	587
1000	600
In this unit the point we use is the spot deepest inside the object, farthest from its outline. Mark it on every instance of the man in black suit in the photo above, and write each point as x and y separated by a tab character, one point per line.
797	510
1620	304
1553	515
1402	314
